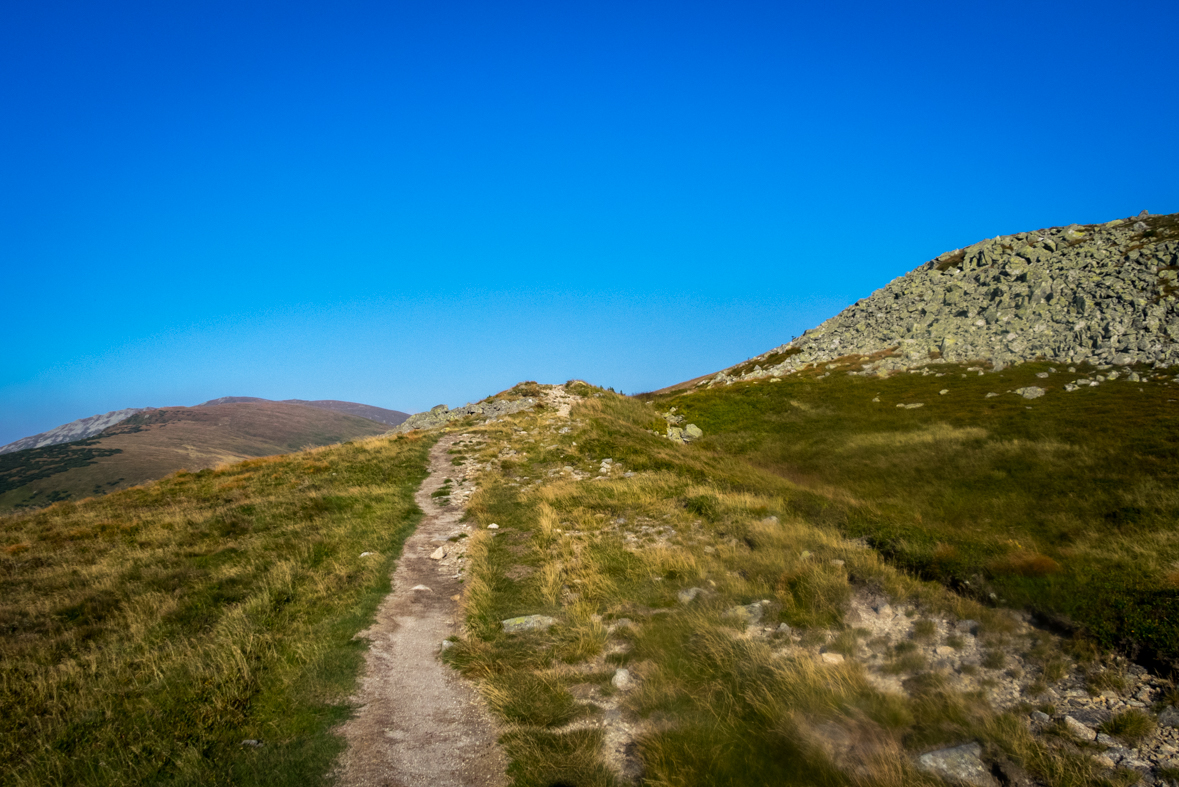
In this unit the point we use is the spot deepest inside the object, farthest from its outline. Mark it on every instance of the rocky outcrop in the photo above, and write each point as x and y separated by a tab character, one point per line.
440	415
1102	294
678	434
75	430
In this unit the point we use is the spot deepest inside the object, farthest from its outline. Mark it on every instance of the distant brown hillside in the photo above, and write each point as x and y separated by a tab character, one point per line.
154	443
379	414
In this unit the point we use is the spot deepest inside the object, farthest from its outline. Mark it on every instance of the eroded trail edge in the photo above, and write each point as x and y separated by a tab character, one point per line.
419	722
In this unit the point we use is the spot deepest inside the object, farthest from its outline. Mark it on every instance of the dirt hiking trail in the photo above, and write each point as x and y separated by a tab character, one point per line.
419	722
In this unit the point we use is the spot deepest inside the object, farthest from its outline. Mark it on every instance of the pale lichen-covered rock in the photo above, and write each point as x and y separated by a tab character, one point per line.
528	623
1082	731
960	765
747	613
1030	392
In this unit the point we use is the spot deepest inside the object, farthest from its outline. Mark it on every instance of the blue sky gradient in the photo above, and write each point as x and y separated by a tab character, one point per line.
406	204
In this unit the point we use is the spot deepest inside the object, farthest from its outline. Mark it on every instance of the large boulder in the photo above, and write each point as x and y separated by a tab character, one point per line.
961	765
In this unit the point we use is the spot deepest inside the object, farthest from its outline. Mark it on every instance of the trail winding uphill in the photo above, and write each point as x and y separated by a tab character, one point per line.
419	722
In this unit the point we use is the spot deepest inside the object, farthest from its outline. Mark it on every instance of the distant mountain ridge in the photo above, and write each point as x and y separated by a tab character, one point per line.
74	430
85	428
378	414
153	442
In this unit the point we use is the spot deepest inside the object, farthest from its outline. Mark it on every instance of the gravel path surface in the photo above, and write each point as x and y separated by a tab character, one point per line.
419	722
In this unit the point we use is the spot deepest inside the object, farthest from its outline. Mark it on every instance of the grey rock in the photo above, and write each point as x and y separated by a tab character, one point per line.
253	743
1082	731
1169	717
692	432
1031	392
1040	717
528	623
622	680
749	613
439	415
960	765
1104	761
1090	716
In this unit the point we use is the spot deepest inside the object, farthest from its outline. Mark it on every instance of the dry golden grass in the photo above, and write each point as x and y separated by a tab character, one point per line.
721	705
148	632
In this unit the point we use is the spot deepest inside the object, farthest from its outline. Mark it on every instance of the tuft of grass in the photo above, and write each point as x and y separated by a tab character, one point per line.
903	663
1100	680
532	699
924	630
994	659
1131	726
541	758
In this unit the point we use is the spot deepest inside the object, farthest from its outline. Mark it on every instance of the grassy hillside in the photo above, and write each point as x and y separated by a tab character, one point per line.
727	590
1065	504
152	444
812	593
146	634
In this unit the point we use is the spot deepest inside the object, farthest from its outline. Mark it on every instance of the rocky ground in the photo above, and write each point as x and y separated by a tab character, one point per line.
1105	294
440	415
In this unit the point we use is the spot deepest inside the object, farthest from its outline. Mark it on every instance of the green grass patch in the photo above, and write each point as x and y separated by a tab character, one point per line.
1064	505
146	634
1131	726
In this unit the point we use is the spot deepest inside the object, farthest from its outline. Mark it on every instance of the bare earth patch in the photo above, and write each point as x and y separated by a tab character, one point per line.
419	722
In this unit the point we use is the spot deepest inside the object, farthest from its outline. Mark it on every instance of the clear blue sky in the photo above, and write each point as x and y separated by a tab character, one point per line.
411	203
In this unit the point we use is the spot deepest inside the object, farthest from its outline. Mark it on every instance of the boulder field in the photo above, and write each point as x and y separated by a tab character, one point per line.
1100	294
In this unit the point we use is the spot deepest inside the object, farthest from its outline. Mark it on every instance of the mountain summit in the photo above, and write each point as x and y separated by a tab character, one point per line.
1098	293
81	429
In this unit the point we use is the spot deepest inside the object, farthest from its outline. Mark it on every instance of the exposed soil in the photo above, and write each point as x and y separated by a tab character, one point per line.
419	722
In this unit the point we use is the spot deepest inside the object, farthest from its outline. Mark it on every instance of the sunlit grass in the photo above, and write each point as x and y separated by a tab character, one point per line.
1064	504
148	633
718	700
